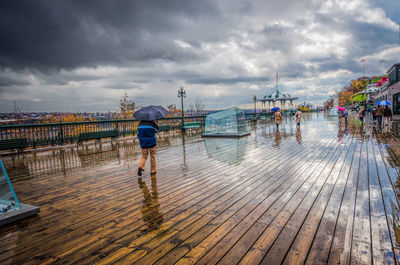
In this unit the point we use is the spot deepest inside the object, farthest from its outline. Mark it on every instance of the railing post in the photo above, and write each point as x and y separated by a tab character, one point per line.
62	132
182	94
255	107
183	116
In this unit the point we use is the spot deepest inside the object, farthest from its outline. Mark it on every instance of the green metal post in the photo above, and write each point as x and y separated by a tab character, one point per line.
183	115
255	107
182	94
62	133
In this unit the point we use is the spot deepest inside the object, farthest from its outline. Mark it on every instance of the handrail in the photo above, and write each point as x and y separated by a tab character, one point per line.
68	132
117	121
92	122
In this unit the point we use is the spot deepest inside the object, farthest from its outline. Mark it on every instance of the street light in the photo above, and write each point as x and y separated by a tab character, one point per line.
182	94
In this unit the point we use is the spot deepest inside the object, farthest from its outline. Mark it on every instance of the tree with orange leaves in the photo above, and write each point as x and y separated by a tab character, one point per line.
344	98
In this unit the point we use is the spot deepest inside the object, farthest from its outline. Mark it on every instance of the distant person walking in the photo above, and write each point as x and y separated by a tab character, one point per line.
373	113
387	114
298	116
379	114
341	117
278	118
147	138
361	114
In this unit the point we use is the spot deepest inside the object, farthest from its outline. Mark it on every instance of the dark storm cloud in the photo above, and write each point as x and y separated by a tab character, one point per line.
368	38
62	55
227	80
47	35
64	78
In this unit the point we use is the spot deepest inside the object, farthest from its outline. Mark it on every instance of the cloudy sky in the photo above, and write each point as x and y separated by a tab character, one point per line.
80	55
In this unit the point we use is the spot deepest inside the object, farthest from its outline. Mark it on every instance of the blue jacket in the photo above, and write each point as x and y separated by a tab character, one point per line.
147	134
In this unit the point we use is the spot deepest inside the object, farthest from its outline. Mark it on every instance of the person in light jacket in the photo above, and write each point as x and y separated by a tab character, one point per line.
147	137
298	116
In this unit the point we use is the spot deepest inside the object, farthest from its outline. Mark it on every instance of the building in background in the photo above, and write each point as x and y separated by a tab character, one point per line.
393	88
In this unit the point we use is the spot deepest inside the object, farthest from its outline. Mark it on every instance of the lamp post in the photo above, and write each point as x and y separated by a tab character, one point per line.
182	94
255	107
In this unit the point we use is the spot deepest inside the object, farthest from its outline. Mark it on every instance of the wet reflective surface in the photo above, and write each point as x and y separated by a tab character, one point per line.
229	150
151	215
319	193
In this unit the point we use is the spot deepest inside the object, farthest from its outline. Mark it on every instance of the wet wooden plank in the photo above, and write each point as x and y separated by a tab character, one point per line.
299	222
242	223
322	229
382	252
342	240
236	248
291	215
221	215
390	200
361	252
163	251
229	196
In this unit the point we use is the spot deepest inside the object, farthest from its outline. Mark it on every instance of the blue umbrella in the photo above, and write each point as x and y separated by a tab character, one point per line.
150	113
383	103
275	109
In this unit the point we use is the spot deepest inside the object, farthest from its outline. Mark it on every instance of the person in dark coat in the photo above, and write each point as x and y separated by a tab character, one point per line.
387	114
147	137
379	114
374	114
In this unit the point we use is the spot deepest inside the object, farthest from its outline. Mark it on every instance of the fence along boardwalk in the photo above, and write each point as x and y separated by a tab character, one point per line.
312	196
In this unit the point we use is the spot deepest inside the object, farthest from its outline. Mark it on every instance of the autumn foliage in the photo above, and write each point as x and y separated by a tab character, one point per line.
345	98
70	117
346	94
329	103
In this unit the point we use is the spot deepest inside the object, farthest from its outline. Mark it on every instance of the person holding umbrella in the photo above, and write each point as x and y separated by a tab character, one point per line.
278	116
341	116
379	114
380	111
146	134
387	113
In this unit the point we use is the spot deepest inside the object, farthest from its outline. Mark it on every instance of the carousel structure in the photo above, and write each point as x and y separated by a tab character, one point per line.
275	97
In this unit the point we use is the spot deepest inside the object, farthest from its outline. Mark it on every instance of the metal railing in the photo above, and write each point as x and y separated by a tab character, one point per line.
68	132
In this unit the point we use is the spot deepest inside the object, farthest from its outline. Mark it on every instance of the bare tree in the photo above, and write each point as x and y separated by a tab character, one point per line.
198	105
127	107
171	108
191	106
18	111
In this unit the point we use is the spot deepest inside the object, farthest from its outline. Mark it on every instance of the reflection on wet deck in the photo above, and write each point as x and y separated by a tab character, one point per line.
310	195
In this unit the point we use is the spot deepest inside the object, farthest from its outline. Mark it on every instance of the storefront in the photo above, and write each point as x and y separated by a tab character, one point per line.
396	103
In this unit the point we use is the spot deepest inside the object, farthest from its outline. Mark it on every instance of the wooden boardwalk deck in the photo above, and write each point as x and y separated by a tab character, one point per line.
313	196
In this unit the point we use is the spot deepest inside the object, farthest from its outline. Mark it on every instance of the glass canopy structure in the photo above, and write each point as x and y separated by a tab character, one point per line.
11	209
227	123
8	198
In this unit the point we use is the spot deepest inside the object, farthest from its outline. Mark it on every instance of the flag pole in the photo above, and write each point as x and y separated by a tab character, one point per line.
363	68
